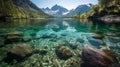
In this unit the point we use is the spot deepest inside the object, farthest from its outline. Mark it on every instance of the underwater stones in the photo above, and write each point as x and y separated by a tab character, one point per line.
73	62
19	52
95	42
73	45
80	40
13	37
15	33
93	57
63	52
98	36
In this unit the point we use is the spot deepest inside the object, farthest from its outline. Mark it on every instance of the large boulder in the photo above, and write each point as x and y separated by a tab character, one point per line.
13	37
19	52
63	52
93	57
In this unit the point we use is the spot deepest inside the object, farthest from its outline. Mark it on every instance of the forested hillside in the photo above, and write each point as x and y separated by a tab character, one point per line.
20	9
104	7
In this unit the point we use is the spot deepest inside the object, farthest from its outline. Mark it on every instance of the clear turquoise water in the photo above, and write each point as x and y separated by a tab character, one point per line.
61	31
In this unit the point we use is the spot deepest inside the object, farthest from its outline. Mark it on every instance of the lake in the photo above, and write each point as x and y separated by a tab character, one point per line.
44	35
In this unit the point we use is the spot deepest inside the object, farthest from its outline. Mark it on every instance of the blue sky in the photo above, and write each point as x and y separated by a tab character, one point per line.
69	4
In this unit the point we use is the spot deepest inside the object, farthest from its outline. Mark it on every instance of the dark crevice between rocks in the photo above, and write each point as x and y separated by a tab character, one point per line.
11	57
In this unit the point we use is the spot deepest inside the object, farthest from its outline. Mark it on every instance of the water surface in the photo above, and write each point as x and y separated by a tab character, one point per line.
49	33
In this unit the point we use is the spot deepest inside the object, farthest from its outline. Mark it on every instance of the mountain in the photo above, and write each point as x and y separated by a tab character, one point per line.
60	8
20	9
56	10
79	10
59	11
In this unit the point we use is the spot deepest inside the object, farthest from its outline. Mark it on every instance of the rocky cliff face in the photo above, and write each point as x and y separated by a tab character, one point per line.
20	9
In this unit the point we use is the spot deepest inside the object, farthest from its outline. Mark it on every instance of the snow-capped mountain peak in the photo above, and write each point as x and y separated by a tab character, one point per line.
60	11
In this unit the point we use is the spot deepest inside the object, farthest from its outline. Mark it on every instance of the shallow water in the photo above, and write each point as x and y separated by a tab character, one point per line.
49	33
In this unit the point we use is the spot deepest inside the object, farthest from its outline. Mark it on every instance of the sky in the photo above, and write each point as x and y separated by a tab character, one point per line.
69	4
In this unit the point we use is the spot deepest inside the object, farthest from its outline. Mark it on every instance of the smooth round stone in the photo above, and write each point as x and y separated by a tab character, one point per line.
95	42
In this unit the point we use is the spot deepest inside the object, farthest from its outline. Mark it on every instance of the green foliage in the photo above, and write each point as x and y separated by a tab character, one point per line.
16	10
103	8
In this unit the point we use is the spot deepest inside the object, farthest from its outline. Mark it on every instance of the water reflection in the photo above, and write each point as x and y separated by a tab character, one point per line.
57	24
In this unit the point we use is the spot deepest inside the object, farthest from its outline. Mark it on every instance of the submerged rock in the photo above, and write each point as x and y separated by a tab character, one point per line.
98	36
93	57
80	40
19	52
13	37
63	52
15	33
95	42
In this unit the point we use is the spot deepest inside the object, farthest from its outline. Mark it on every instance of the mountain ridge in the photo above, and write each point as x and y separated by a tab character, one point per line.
60	11
56	10
20	9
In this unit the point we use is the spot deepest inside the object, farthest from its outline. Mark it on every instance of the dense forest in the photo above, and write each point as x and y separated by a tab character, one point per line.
20	9
104	7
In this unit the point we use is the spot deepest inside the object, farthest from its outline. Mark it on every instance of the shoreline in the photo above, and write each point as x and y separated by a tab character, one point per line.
107	18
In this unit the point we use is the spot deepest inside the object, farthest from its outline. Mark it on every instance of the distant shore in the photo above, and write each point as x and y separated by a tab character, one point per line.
107	18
